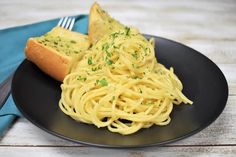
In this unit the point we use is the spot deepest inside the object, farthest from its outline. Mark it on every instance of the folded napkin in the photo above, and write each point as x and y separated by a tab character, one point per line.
12	46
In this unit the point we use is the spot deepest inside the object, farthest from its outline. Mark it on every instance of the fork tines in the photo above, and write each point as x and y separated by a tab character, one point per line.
66	22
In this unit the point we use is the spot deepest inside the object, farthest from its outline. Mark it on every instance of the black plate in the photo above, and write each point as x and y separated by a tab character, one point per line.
36	96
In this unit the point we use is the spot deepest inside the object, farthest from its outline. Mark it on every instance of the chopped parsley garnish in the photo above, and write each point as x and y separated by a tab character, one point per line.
135	66
127	30
136	77
105	47
116	47
80	78
109	62
140	91
87	73
94	68
109	54
90	61
113	98
115	35
102	82
144	49
73	42
135	55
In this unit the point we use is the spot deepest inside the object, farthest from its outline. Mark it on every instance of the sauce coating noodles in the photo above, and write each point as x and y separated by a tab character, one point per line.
119	84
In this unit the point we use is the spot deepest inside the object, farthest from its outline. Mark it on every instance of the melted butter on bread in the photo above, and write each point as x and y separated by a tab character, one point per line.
55	52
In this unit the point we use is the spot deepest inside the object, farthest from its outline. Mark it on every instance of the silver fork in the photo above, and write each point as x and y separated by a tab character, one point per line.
5	86
66	22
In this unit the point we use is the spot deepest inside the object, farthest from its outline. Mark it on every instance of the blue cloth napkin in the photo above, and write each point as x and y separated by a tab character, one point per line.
12	44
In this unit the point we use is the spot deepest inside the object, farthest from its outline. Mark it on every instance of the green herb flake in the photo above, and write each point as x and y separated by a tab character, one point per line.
127	30
73	42
115	47
87	73
90	61
113	98
135	66
109	54
109	62
105	47
94	68
80	78
136	77
114	35
135	55
140	91
103	82
99	66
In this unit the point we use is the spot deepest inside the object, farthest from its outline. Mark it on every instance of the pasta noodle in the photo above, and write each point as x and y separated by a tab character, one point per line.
120	85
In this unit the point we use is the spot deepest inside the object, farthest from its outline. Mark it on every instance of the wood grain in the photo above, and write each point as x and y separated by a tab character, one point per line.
207	26
102	152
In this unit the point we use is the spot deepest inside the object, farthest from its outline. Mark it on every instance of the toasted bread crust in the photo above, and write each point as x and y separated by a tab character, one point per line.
93	16
101	23
48	60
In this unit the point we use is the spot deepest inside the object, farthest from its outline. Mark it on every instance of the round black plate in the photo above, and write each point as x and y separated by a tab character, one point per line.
36	95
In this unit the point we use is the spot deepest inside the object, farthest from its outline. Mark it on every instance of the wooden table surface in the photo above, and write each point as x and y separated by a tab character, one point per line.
207	26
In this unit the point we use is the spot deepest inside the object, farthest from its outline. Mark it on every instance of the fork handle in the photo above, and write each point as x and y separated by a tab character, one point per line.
5	89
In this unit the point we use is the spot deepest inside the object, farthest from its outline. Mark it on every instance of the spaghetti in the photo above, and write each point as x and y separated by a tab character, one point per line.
120	85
